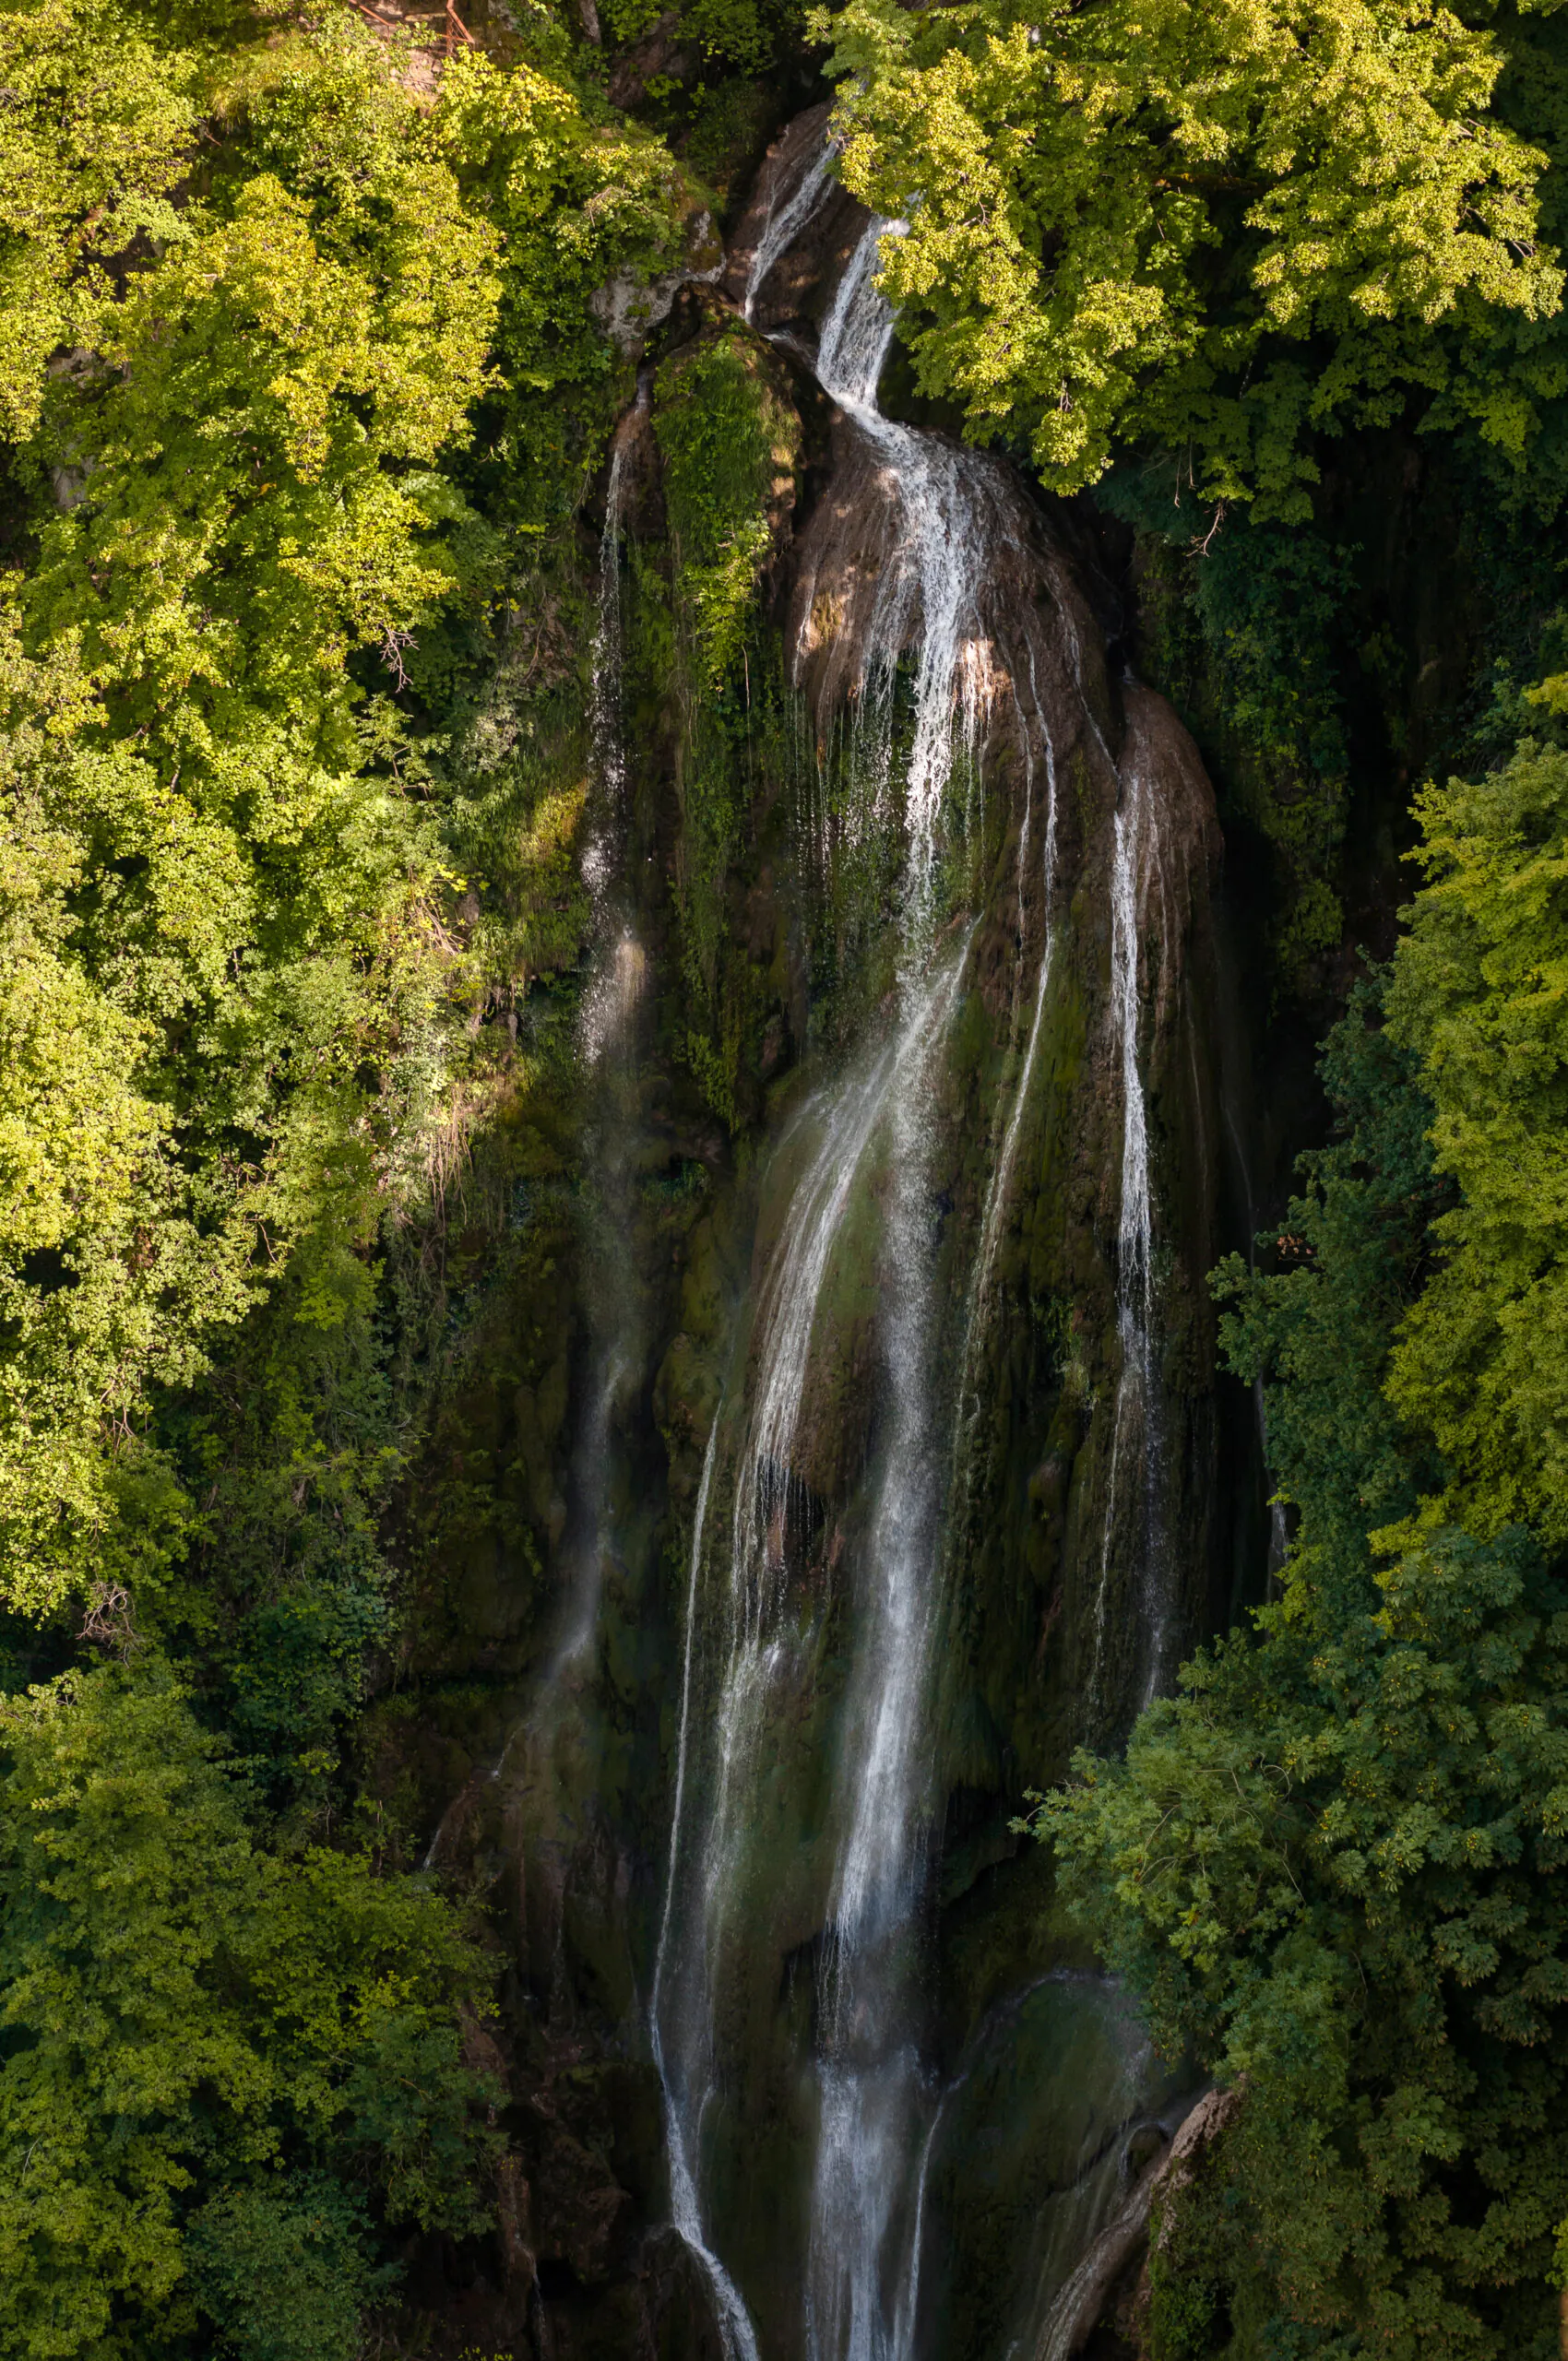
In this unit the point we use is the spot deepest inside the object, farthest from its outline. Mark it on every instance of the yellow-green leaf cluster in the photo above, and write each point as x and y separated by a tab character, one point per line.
1480	994
170	1992
1221	228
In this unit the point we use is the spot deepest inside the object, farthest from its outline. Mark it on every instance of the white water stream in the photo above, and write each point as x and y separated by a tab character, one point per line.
761	1637
1134	1508
681	2132
932	583
874	2107
867	2075
861	2255
785	222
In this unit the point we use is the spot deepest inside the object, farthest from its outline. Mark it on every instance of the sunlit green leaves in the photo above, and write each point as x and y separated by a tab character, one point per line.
576	200
175	2001
211	895
97	126
1480	994
1221	228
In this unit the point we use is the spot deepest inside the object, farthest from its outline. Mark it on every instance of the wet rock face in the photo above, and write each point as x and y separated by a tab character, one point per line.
1070	1436
1049	1570
1032	648
628	309
797	282
1066	1426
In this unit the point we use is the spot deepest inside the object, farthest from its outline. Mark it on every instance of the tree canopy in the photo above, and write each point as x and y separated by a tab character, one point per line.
1479	996
1218	232
1333	1866
300	388
218	2064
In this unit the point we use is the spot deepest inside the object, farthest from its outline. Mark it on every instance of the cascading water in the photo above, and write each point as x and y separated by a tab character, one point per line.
914	1258
785	222
937	570
870	1141
871	2085
759	1635
869	2077
680	2134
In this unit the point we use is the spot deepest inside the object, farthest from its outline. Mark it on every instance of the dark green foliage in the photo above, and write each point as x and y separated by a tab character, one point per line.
1227	234
202	2036
744	35
1187	2310
1480	993
1248	632
725	134
284	2270
1332	1866
1318	1327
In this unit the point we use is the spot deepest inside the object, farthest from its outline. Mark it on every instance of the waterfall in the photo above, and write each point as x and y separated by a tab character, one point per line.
758	1636
869	2071
870	2081
861	2269
876	2106
1134	1266
608	751
935	572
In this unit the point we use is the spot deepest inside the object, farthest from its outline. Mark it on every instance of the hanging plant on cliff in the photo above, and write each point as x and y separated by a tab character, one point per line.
1221	229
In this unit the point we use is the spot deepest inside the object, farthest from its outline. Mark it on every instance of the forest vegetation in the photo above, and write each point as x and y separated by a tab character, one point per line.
302	392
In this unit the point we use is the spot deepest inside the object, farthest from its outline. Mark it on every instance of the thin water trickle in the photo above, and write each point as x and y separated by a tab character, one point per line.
619	961
785	222
1134	1510
1134	1262
871	2089
607	752
999	1186
605	1030
543	1757
734	2321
